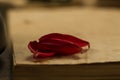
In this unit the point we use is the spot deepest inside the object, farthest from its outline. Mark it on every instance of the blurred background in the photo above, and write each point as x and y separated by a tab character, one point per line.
7	6
66	2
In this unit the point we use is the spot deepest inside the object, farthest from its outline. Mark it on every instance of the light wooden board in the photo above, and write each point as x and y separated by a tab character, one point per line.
101	27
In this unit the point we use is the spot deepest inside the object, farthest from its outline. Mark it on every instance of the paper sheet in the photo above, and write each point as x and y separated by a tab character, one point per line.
101	27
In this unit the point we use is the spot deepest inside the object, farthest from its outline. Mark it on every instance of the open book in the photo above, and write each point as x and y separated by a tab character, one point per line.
100	27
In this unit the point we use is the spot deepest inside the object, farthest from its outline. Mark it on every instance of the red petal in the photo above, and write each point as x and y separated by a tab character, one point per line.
33	46
60	47
66	38
57	44
43	54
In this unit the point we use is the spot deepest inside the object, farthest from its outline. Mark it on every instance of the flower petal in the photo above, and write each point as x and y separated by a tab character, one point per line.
57	44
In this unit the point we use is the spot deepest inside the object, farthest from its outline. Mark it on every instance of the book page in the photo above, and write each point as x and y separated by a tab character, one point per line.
98	26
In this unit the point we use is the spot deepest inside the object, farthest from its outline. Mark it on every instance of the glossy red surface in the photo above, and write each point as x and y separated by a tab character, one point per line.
57	44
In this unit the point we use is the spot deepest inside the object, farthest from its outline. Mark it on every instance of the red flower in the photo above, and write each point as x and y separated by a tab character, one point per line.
57	44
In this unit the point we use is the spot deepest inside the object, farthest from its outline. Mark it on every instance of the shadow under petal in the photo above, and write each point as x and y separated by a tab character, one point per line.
44	60
41	60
